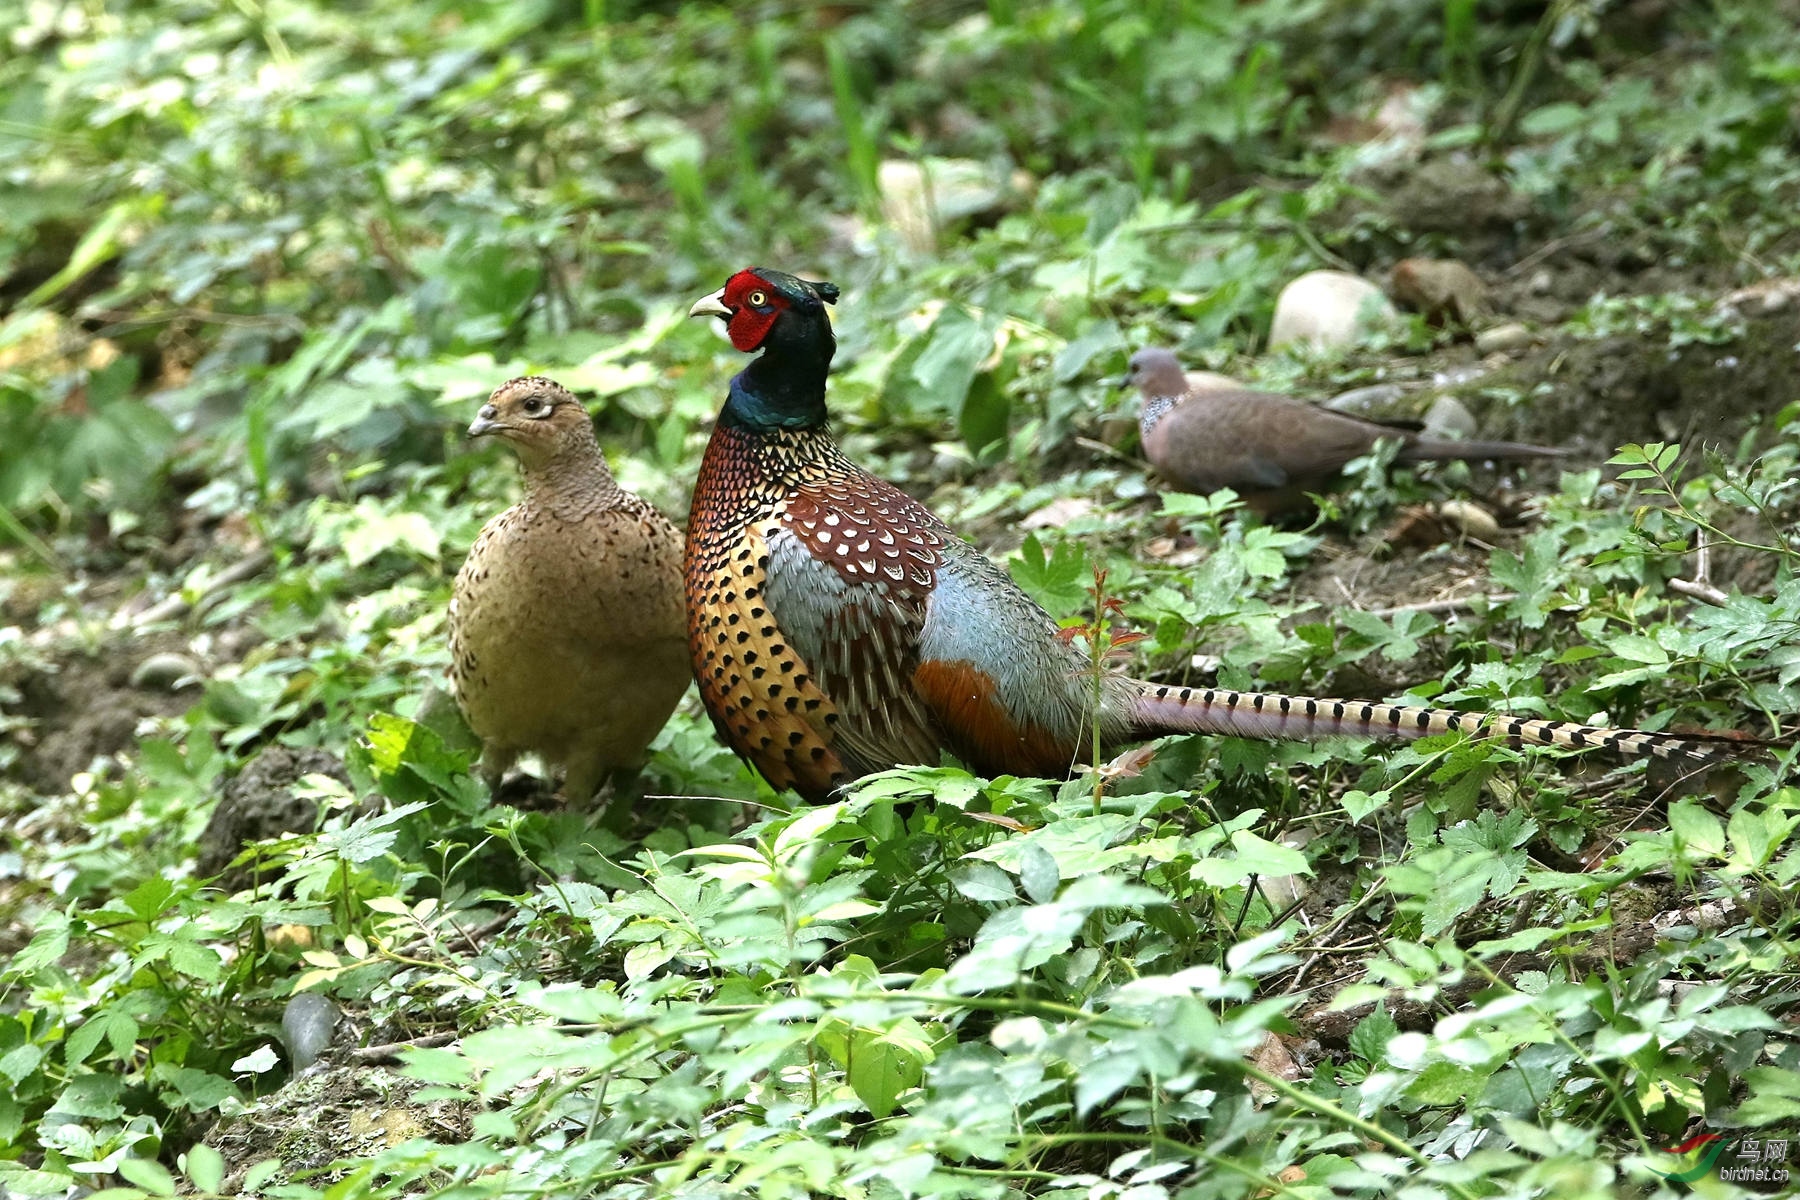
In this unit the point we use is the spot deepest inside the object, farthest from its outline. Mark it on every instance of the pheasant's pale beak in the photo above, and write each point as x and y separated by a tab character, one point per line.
711	306
484	422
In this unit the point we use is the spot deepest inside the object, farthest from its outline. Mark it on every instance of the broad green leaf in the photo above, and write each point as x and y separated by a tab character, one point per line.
148	1174
205	1168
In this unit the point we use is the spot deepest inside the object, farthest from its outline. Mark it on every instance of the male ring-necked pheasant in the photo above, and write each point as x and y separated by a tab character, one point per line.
838	628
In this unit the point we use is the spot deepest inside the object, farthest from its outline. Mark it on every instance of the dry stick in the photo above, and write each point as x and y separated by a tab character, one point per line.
1455	604
170	607
424	942
1700	587
1100	447
1551	247
392	1049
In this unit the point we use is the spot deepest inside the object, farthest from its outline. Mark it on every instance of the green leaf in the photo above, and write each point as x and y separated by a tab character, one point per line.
1368	1041
1266	857
1553	120
152	1176
983	882
1638	648
1038	873
1059	581
955	346
205	1168
199	1091
1774	1097
886	1063
19	1062
117	1028
102	241
1697	830
1359	804
148	899
1444	1083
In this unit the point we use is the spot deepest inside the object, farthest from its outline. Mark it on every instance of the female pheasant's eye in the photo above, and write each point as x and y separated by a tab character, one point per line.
758	299
533	406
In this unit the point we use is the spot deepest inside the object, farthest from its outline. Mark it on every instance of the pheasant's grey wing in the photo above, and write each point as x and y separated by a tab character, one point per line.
848	580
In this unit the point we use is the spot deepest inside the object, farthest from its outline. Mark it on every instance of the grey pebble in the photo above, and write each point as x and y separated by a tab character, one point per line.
166	672
307	1024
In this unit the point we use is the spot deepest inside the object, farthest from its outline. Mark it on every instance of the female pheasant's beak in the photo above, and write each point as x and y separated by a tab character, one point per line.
711	306
484	422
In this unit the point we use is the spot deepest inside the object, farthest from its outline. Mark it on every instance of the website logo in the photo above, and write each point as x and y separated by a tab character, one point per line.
1752	1160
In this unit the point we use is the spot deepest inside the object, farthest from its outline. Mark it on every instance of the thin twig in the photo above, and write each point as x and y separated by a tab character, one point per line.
1551	247
172	606
1100	447
1699	590
492	925
1700	587
1455	604
391	1050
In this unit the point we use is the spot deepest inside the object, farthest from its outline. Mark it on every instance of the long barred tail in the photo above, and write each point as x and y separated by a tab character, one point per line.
1161	710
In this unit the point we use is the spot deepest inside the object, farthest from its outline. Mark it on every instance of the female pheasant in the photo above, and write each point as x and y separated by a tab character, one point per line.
838	628
566	623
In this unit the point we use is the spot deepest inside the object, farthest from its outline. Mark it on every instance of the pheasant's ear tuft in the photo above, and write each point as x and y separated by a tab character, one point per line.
828	292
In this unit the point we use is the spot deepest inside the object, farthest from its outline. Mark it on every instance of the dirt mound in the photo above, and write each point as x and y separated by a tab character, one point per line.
261	802
81	705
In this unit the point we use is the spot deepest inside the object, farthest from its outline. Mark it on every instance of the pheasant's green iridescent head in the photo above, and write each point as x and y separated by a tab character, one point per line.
784	317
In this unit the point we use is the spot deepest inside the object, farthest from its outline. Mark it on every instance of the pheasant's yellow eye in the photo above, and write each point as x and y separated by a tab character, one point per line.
758	298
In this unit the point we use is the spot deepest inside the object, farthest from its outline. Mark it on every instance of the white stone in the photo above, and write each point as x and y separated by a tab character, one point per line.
1328	310
1503	339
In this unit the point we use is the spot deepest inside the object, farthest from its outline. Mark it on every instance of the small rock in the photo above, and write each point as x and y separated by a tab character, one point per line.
1449	417
1451	377
920	199
1540	283
307	1025
1328	310
1058	513
1443	289
1471	519
1504	339
166	673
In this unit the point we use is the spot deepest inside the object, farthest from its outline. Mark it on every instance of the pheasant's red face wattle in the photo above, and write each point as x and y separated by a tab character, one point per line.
754	306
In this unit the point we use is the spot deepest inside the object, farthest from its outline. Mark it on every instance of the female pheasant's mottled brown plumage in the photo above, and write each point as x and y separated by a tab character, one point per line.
566	623
838	628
